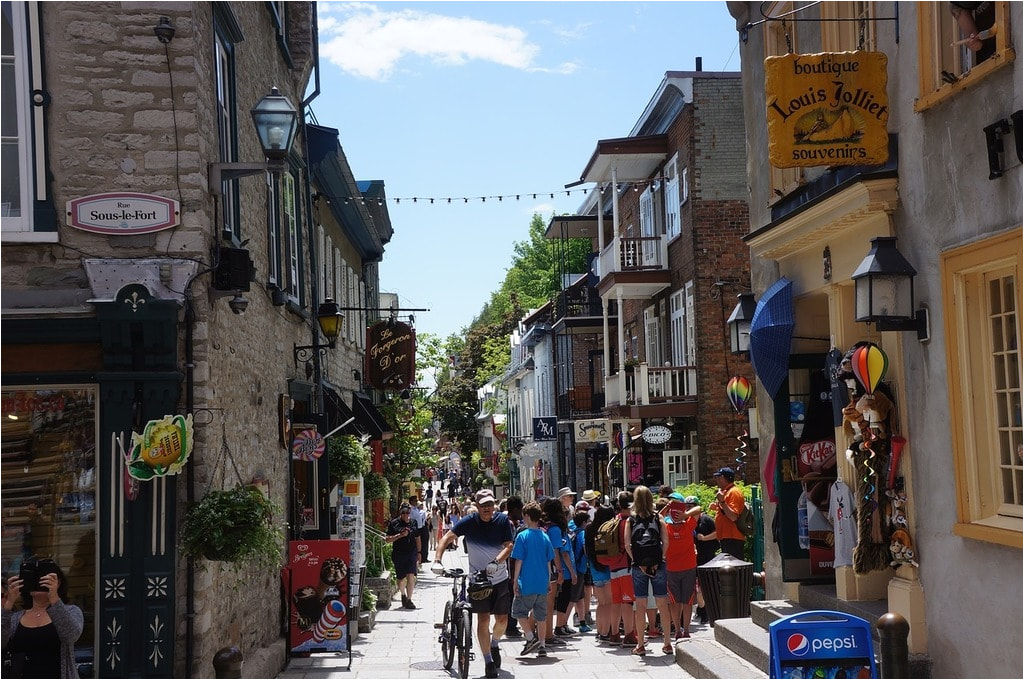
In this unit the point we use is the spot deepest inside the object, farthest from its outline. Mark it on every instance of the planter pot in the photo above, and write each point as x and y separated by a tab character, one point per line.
367	620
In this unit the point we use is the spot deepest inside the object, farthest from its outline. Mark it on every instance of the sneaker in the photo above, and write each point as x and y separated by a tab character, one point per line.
629	640
496	655
585	628
542	652
409	605
530	646
614	639
564	631
405	602
489	670
554	642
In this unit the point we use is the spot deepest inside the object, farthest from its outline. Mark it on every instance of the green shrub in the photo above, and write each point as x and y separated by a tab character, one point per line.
375	487
347	458
236	526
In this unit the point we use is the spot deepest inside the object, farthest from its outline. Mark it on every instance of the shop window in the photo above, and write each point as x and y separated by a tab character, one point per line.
48	488
981	292
949	61
847	36
26	211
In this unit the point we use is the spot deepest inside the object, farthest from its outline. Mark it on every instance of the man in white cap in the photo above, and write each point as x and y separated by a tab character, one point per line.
488	535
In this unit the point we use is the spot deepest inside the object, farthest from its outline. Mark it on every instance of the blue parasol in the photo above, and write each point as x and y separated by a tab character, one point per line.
771	332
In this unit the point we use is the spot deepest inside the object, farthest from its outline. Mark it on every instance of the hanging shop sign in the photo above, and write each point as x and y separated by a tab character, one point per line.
592	430
657	434
308	444
545	429
162	449
390	355
123	213
827	109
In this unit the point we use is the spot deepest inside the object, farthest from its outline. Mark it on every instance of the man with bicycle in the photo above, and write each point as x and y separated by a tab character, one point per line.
488	537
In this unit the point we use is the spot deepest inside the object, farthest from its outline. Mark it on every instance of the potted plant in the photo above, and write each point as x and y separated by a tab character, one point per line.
347	458
236	525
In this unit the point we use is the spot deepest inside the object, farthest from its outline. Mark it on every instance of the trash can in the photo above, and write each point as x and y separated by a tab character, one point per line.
732	601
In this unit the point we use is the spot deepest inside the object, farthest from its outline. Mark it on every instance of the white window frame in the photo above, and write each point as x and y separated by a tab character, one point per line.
686	461
227	120
18	63
673	198
652	336
677	326
290	231
983	356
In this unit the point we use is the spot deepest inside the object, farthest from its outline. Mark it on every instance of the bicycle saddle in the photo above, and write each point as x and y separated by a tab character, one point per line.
452	573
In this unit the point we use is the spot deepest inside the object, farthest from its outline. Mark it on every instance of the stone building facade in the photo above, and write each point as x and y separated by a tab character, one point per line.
109	325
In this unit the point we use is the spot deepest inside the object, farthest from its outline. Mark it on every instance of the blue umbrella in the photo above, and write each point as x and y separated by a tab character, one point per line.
771	332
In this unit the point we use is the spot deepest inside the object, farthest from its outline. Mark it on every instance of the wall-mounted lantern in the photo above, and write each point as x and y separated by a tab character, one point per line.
884	283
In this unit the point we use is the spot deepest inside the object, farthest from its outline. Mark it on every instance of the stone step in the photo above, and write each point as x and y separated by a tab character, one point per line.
706	658
746	639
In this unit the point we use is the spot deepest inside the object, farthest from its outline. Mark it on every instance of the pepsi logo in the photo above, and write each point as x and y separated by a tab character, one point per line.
798	645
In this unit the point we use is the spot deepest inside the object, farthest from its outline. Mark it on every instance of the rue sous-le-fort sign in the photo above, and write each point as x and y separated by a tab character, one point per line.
827	109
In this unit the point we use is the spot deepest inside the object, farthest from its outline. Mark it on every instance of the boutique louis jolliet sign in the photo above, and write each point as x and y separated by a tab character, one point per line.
827	109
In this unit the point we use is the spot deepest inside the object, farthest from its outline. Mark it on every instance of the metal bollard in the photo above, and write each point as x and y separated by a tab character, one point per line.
893	631
227	662
727	575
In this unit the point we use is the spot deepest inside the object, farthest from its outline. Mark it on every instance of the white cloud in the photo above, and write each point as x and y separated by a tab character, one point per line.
368	41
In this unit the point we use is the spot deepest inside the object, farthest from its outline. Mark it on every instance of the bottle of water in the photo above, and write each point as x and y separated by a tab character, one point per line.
801	519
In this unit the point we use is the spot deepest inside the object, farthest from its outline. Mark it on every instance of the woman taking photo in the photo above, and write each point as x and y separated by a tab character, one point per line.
40	638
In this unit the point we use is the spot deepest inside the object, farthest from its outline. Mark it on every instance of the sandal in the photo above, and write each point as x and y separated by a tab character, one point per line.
666	649
639	650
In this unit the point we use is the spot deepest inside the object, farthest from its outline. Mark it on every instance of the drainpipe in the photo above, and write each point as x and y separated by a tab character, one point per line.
190	477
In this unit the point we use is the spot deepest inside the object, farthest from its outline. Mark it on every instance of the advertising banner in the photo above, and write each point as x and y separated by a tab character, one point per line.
827	109
592	430
318	588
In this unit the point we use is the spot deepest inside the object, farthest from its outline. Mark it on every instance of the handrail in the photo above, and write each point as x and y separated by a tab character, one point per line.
378	544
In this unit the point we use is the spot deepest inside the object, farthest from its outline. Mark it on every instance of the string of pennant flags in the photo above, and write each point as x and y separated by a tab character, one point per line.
636	186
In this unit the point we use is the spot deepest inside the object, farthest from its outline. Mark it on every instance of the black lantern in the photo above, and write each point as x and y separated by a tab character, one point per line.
739	323
884	290
328	318
276	122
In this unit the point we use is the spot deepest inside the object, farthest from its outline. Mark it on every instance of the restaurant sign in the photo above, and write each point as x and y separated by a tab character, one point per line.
827	109
123	213
390	355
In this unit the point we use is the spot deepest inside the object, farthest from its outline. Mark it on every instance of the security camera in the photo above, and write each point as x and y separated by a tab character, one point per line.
238	304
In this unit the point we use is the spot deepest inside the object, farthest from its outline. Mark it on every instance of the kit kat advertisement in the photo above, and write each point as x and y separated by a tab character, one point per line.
318	586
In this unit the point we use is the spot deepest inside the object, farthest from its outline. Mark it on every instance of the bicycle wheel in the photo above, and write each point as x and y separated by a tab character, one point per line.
465	641
448	639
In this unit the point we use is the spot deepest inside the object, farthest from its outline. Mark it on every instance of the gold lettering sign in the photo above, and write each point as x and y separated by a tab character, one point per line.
827	109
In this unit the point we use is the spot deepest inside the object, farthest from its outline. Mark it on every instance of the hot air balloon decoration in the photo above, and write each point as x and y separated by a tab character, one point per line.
870	365
739	392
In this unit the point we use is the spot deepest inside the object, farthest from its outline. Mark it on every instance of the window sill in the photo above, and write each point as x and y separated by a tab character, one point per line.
1000	530
973	77
30	237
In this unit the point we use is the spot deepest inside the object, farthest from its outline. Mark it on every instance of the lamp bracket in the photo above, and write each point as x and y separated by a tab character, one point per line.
304	353
222	172
920	324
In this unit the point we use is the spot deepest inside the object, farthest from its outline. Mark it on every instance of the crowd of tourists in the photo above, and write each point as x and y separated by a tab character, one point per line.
550	560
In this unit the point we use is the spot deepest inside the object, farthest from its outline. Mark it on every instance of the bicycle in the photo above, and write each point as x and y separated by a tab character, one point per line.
457	625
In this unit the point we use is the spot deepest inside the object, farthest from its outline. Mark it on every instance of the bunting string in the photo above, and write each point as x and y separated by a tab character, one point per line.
653	183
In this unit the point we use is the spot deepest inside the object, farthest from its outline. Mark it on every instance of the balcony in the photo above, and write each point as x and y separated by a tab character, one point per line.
645	385
634	267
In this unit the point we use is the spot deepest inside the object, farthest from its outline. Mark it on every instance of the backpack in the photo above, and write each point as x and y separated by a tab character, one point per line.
745	521
606	541
646	541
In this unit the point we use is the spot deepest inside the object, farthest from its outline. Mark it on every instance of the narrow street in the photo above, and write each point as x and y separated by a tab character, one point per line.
403	644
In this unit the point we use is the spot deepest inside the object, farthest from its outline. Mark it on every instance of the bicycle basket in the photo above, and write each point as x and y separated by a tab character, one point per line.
480	588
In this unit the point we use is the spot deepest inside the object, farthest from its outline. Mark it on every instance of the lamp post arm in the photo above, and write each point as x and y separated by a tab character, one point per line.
221	172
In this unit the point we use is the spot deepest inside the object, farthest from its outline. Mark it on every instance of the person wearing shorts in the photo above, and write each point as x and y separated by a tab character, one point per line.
681	562
647	578
600	575
403	537
534	558
488	539
621	579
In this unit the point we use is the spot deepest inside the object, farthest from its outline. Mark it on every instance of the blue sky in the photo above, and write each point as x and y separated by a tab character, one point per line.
472	100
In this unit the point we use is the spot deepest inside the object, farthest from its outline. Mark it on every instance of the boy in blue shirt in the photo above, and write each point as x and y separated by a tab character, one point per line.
534	557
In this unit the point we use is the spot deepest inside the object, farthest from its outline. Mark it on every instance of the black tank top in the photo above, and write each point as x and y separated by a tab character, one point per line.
41	647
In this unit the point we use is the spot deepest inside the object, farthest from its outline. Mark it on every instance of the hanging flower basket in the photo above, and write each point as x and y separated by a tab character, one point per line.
236	526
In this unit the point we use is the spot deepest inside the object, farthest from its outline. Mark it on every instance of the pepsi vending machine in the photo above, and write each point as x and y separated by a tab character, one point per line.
821	644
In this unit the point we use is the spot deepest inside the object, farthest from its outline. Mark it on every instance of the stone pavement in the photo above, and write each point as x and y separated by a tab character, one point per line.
403	644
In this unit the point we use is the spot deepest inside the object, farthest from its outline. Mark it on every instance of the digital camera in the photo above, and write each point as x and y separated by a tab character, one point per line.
31	571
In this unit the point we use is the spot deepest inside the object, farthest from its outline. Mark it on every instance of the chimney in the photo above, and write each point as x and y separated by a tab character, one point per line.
700	64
